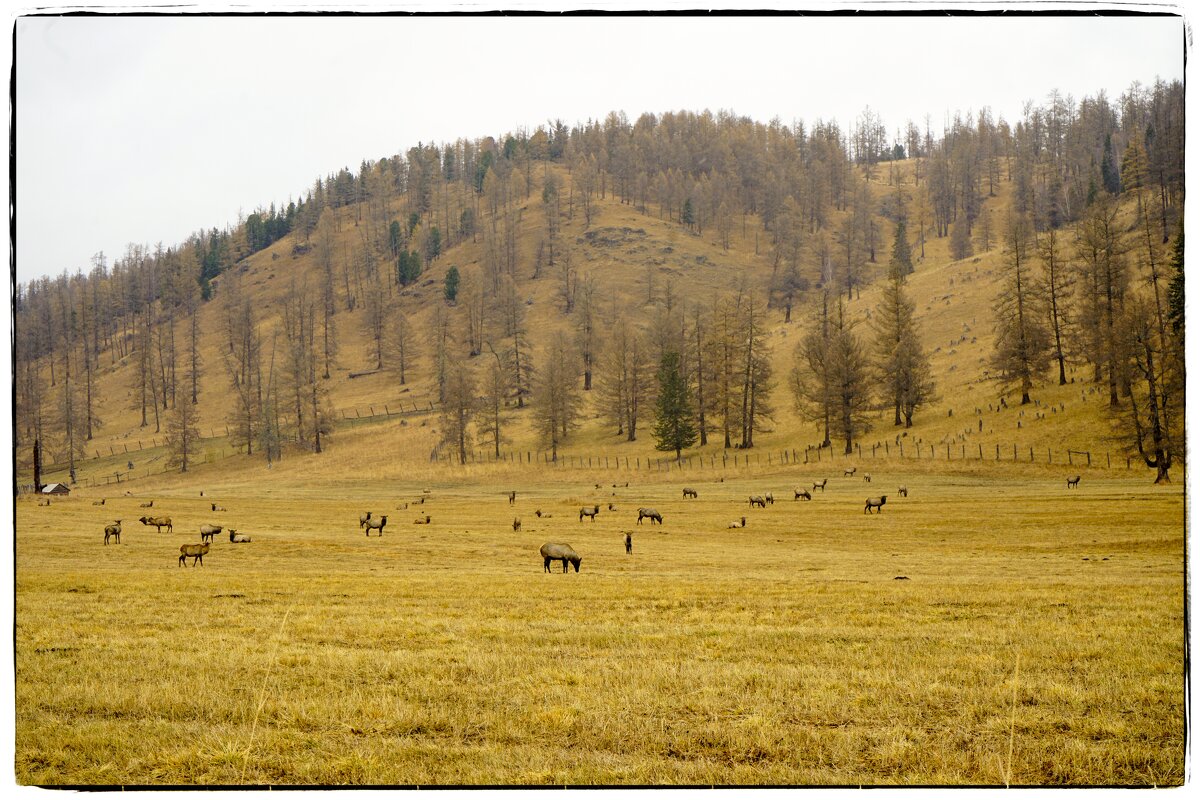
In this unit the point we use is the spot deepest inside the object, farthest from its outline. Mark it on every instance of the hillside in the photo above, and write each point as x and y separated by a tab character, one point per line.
623	249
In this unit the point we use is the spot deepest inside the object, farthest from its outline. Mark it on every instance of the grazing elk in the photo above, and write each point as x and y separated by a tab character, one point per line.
755	500
376	524
903	492
559	552
195	551
363	519
237	538
653	515
850	472
692	493
866	477
1073	483
146	505
820	485
516	523
742	524
874	502
112	530
589	512
158	522
207	532
802	494
770	498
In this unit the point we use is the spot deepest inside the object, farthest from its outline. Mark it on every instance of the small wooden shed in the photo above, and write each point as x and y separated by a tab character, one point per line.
56	488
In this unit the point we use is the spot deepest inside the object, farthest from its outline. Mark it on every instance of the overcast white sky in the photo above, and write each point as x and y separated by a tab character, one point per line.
135	129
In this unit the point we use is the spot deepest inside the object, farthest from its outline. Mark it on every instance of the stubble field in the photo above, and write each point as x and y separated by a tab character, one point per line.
991	628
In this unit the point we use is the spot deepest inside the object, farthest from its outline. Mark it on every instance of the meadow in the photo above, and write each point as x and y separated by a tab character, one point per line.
991	628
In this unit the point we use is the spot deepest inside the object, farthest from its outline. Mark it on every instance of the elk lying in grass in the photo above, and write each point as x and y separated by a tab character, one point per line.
559	552
755	500
741	524
237	538
589	512
874	502
195	551
99	502
146	505
653	515
112	530
1073	483
418	521
376	525
158	522
207	532
820	485
363	519
542	515
216	507
802	494
690	493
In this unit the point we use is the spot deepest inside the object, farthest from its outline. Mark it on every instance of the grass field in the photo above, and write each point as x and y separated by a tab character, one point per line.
991	628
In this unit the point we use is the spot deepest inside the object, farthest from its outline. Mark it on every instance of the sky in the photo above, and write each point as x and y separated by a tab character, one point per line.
147	129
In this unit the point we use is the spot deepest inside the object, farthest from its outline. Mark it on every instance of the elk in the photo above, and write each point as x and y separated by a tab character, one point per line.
586	512
237	538
651	513
692	493
418	521
874	502
903	492
1073	482
629	543
207	532
516	523
216	507
376	524
742	524
363	519
559	552
512	498
113	531
99	502
755	500
195	551
770	498
820	485
802	493
866	477
158	522
850	472
146	505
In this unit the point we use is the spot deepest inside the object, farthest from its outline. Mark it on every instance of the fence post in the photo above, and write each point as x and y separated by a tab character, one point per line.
1069	461
902	449
1014	451
981	452
1108	458
997	451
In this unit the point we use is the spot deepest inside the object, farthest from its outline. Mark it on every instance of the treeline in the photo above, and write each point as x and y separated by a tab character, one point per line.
801	196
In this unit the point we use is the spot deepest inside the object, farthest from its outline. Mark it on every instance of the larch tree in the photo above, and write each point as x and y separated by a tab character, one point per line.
1022	348
183	434
1057	283
556	398
900	358
459	407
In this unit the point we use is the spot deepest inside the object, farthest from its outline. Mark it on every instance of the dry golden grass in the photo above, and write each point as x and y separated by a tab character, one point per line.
786	652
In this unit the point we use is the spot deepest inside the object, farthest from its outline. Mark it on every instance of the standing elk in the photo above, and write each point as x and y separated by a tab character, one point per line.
850	472
653	515
903	491
516	523
363	519
770	498
207	532
113	531
820	485
1073	483
692	493
874	502
586	512
559	552
628	543
866	477
376	524
158	522
755	500
194	551
802	494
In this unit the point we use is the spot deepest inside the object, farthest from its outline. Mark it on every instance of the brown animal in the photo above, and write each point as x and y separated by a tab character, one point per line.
589	512
362	519
237	538
874	502
158	522
755	500
512	498
560	552
651	514
866	477
820	485
802	494
738	525
377	524
99	502
207	532
216	507
195	551
1073	482
629	543
850	472
903	491
692	493
418	521
516	523
146	505
113	530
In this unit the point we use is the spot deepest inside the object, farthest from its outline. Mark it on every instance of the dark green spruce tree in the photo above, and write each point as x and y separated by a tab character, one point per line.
674	424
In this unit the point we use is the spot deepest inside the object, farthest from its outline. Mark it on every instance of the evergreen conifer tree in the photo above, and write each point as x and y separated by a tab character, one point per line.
674	427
